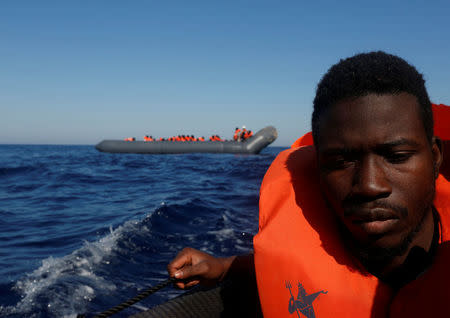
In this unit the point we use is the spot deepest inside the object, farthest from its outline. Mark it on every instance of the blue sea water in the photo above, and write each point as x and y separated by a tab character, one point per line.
81	231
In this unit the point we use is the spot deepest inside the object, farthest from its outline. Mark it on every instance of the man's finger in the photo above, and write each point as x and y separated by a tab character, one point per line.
190	271
191	283
186	284
182	259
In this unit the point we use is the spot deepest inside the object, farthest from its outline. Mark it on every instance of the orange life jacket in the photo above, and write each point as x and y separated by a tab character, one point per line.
247	134
441	116
236	134
305	140
303	268
243	133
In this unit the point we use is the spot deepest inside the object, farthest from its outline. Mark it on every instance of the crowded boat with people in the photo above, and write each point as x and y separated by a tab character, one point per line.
243	141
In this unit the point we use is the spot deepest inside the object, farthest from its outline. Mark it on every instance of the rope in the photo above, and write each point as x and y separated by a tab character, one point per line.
133	300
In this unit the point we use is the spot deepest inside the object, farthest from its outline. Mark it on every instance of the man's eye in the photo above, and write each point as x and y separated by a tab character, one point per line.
398	157
337	163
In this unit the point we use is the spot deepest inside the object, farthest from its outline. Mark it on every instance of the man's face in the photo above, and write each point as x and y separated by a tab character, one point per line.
377	168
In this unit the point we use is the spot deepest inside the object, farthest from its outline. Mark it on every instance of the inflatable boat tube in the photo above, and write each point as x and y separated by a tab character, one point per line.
236	298
252	145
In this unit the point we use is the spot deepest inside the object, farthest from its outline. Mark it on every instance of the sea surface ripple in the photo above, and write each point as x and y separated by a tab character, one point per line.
81	231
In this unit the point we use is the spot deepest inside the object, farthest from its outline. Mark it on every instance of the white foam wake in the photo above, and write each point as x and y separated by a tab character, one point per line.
63	287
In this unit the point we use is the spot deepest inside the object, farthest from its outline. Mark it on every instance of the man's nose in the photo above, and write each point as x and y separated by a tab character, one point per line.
371	179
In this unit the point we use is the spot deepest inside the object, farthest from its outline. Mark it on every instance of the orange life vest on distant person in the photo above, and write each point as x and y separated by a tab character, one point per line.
243	133
303	268
236	134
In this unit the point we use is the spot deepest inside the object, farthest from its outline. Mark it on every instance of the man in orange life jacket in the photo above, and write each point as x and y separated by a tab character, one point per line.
243	133
359	225
248	134
236	136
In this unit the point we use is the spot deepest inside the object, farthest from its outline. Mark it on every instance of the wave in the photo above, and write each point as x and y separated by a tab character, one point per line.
56	197
66	286
22	170
63	287
103	273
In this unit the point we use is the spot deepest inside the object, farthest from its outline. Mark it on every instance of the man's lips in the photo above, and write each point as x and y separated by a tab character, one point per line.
378	227
374	221
371	215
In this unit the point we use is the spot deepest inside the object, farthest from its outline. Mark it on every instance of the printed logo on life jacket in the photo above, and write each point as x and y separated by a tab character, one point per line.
303	303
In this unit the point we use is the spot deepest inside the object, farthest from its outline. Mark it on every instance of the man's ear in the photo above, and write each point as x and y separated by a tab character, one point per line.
438	154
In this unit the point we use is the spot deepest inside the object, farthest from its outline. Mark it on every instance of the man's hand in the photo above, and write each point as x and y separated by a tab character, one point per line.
193	267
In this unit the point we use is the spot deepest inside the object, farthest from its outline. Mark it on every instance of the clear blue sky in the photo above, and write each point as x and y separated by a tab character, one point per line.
77	72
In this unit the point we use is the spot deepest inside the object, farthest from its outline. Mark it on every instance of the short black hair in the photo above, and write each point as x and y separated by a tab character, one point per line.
366	73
